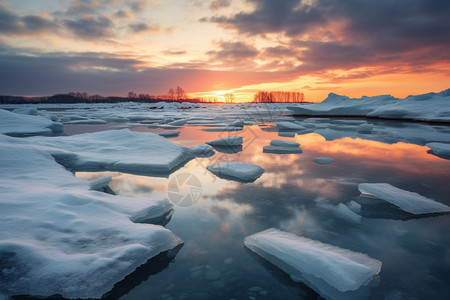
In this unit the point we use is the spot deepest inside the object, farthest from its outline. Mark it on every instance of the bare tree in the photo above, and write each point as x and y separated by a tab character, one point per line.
229	97
180	93
171	94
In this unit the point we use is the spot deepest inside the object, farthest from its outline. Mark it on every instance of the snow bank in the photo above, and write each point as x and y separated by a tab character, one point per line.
407	201
239	171
59	237
227	141
117	150
426	107
321	266
19	124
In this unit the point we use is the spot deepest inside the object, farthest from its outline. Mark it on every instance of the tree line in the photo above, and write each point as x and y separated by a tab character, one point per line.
278	96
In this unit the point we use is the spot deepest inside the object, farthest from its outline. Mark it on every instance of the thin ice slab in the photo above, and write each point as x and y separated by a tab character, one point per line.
238	171
118	150
408	201
227	141
327	269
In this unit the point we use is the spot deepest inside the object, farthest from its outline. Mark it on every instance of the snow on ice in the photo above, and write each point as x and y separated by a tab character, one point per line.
62	237
330	270
408	201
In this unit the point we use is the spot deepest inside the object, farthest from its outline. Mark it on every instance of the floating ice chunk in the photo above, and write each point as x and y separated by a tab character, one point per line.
169	134
341	210
284	125
26	111
439	148
282	150
237	123
286	134
180	122
63	238
200	151
321	266
222	129
227	141
408	201
239	171
99	184
344	212
25	125
365	128
355	206
118	150
228	149
323	160
87	121
283	143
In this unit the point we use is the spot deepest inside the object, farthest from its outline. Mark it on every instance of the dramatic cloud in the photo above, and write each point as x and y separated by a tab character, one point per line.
350	33
89	27
233	54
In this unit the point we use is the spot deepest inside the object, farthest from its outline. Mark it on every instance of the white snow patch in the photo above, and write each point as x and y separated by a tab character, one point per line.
313	262
63	238
408	201
24	125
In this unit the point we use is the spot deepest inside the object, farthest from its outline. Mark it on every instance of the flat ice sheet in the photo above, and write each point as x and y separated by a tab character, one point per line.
240	171
312	261
62	237
116	150
227	141
408	201
19	124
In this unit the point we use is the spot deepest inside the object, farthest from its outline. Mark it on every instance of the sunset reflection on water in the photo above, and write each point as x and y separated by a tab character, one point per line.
288	196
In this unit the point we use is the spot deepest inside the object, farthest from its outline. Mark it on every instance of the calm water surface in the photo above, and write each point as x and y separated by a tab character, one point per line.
297	195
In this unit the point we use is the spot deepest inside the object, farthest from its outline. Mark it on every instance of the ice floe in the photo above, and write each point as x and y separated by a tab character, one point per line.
169	134
119	150
323	160
284	125
426	107
19	124
239	171
281	149
332	271
408	201
439	149
63	238
227	141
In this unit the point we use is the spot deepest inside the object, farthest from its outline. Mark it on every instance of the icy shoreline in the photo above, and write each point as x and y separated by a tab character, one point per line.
430	107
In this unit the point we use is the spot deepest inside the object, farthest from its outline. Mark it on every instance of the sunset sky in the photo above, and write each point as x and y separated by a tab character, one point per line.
349	47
